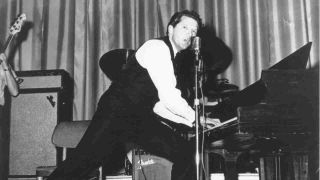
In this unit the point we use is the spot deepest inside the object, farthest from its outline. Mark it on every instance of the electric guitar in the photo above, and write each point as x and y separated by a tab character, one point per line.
13	30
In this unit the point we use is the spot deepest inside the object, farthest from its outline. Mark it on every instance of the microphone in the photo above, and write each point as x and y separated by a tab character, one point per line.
196	45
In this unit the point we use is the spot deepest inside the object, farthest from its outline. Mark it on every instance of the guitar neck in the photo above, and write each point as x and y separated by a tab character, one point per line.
6	44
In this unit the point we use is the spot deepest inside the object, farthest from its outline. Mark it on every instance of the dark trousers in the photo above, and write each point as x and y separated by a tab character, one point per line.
116	121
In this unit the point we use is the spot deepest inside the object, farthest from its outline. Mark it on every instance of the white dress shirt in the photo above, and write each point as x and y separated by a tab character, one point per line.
154	55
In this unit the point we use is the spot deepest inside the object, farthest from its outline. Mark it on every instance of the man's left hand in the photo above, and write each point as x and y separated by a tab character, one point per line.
209	122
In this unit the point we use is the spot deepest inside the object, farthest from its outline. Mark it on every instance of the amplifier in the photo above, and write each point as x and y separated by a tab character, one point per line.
45	99
150	167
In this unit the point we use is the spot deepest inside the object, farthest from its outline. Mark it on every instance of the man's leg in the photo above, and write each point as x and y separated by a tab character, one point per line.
97	143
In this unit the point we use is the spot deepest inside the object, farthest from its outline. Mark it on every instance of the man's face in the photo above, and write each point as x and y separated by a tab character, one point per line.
181	35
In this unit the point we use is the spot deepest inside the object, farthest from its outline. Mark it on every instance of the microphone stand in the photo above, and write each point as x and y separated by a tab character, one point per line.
197	106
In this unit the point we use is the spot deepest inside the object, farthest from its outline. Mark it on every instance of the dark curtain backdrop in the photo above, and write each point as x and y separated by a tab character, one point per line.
74	34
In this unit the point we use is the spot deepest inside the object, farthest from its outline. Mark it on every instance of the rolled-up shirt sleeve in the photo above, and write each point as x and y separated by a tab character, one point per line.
155	56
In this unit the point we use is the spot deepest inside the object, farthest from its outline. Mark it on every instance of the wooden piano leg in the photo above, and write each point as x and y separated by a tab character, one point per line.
288	166
231	165
231	170
300	164
313	162
270	168
230	162
262	170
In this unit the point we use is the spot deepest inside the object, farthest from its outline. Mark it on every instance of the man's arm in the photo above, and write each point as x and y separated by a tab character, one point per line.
155	56
10	80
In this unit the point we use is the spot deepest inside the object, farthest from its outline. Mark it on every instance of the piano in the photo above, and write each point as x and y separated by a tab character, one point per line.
279	112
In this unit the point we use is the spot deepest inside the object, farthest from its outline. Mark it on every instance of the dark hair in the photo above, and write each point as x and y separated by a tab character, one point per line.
176	18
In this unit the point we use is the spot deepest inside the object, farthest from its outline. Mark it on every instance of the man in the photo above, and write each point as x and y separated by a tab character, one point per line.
7	80
137	106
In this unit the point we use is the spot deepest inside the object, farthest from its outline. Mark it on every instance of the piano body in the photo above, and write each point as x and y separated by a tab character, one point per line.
290	106
280	114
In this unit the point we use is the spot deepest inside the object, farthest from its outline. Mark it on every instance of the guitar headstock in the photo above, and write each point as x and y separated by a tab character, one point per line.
16	26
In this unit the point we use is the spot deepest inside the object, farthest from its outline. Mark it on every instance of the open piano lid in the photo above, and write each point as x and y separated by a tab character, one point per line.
255	92
296	60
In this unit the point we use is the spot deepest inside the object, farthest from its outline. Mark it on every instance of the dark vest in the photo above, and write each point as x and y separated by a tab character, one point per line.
136	84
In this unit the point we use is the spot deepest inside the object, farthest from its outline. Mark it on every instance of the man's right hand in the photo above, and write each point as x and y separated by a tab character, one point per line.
3	61
3	57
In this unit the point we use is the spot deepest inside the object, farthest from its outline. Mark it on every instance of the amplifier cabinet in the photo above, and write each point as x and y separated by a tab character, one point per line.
147	166
45	99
